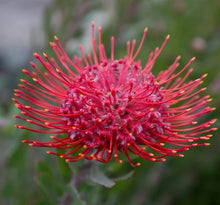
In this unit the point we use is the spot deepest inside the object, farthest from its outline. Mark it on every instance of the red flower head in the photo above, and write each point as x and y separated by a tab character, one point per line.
107	106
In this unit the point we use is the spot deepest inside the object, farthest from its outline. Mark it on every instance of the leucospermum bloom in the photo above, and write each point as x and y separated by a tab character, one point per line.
107	106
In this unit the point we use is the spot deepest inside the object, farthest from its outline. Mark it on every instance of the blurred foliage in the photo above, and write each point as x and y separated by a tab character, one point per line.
29	176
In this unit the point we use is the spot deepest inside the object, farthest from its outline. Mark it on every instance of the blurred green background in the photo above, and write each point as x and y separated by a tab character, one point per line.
29	176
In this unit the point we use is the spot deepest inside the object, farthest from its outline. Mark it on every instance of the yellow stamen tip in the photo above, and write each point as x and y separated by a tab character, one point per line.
213	121
52	44
195	144
138	164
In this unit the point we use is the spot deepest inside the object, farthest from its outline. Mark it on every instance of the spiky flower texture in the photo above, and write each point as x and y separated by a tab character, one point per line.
107	106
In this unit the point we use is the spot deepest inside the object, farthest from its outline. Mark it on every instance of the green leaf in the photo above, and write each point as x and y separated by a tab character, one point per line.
18	157
64	168
125	177
49	184
42	167
97	176
77	199
41	183
17	151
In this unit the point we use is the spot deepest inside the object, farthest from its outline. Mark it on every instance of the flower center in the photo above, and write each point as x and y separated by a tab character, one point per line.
114	101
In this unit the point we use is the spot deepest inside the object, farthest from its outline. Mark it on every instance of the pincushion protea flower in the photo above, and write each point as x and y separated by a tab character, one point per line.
107	106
